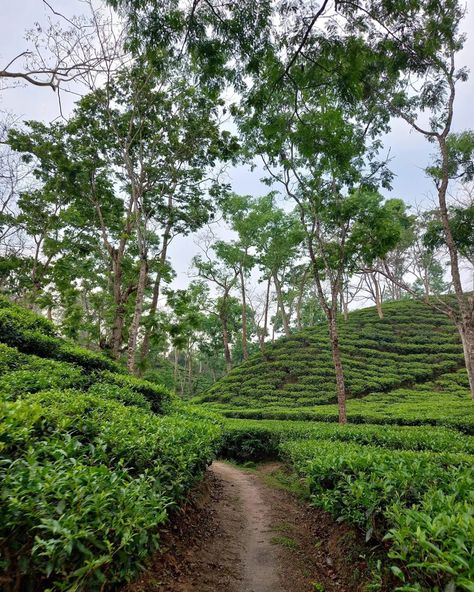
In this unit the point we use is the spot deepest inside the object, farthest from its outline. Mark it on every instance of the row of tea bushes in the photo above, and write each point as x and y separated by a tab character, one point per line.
412	344
92	460
442	402
86	482
33	334
22	373
255	440
420	504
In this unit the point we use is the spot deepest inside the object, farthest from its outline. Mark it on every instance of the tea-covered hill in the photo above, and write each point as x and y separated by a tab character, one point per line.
406	368
91	460
408	486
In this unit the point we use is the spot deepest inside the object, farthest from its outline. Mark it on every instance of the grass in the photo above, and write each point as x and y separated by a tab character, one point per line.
284	541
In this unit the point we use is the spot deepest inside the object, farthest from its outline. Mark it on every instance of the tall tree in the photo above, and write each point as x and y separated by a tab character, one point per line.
321	149
223	272
145	140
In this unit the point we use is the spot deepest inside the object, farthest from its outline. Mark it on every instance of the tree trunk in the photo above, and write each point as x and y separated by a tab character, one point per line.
225	340
175	368
190	373
466	310
119	312
467	338
265	313
299	301
284	316
145	349
378	296
137	316
244	315
336	356
117	330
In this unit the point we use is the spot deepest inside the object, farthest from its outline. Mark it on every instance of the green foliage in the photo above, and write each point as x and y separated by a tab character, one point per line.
420	502
410	346
157	395
260	439
88	469
444	402
32	334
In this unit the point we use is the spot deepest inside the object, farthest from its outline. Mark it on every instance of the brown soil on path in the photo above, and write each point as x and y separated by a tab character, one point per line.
239	534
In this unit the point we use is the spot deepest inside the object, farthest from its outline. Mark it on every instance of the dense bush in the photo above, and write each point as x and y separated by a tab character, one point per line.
257	440
88	469
85	483
422	503
157	395
32	334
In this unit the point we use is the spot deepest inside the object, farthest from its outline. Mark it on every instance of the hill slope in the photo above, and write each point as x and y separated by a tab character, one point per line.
91	460
405	368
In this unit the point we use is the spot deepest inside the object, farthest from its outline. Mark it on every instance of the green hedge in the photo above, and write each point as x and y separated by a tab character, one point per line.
254	440
421	503
85	482
88	469
32	334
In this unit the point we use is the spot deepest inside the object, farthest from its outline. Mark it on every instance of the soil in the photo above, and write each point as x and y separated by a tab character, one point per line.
240	532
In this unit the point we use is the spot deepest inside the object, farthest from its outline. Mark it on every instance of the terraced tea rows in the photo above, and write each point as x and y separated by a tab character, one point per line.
412	344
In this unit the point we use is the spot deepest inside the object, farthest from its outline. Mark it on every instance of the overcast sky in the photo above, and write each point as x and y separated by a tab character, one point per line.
410	152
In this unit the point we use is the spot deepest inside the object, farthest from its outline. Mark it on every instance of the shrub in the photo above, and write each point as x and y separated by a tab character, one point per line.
86	481
390	493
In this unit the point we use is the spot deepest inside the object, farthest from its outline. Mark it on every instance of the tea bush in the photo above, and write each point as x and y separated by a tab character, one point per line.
422	503
412	344
92	460
258	440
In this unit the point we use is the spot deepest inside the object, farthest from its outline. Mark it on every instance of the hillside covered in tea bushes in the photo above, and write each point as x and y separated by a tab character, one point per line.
92	460
404	476
406	368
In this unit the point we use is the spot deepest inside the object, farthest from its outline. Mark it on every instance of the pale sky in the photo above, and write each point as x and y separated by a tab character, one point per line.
410	152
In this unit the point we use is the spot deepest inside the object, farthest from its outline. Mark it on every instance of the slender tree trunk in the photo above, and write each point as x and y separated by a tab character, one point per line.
137	316
225	340
265	313
145	349
175	368
244	315
119	312
378	296
337	360
284	316
467	338
426	283
190	372
299	301
345	310
466	310
331	315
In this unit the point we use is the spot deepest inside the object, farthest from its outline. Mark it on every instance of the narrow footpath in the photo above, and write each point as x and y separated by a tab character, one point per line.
241	533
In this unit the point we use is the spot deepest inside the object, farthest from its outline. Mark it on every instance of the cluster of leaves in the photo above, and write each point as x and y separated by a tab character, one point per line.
88	468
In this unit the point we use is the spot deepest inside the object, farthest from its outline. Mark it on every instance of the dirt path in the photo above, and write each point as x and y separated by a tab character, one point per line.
258	557
240	534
